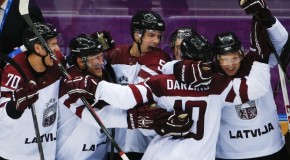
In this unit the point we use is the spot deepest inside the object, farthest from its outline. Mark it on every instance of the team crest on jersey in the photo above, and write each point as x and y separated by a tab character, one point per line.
49	114
247	110
123	79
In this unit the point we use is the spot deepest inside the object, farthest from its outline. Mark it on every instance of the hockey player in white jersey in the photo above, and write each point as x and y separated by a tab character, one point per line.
79	136
250	123
202	102
253	125
17	135
135	62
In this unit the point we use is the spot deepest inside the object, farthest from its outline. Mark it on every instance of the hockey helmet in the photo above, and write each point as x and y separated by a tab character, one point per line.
146	20
46	30
196	48
227	42
181	33
84	45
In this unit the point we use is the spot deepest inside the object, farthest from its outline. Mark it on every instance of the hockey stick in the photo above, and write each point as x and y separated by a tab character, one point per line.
282	66
33	112
23	9
282	74
17	51
285	95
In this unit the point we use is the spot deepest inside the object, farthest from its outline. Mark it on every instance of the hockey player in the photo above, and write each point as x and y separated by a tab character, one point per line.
135	62
252	122
202	102
248	124
175	39
79	136
77	139
18	139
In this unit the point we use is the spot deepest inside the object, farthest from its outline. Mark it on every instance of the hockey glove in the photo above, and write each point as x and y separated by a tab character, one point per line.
177	125
252	6
195	73
259	46
145	116
81	87
25	96
259	9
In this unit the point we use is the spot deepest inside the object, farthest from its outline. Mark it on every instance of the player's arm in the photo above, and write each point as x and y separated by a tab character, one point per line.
123	97
168	67
264	24
142	116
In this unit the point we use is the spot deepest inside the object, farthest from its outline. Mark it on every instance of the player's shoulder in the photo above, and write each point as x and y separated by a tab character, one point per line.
12	76
160	78
60	57
160	53
121	49
74	71
20	60
219	83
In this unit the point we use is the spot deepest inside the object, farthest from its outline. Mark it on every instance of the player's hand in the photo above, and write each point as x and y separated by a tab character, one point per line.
105	38
25	96
81	87
259	46
177	125
259	9
146	116
252	6
195	73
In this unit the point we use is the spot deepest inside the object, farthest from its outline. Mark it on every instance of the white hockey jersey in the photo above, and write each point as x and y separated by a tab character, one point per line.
252	129
17	136
78	134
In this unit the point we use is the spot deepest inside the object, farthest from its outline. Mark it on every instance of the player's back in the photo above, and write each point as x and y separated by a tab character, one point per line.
205	110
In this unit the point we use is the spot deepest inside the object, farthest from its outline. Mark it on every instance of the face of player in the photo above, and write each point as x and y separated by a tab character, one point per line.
52	44
230	63
150	40
95	64
176	49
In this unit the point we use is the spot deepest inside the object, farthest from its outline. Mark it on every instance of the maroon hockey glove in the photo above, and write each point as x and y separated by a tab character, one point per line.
252	6
81	87
260	10
25	96
144	116
191	72
177	125
259	46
